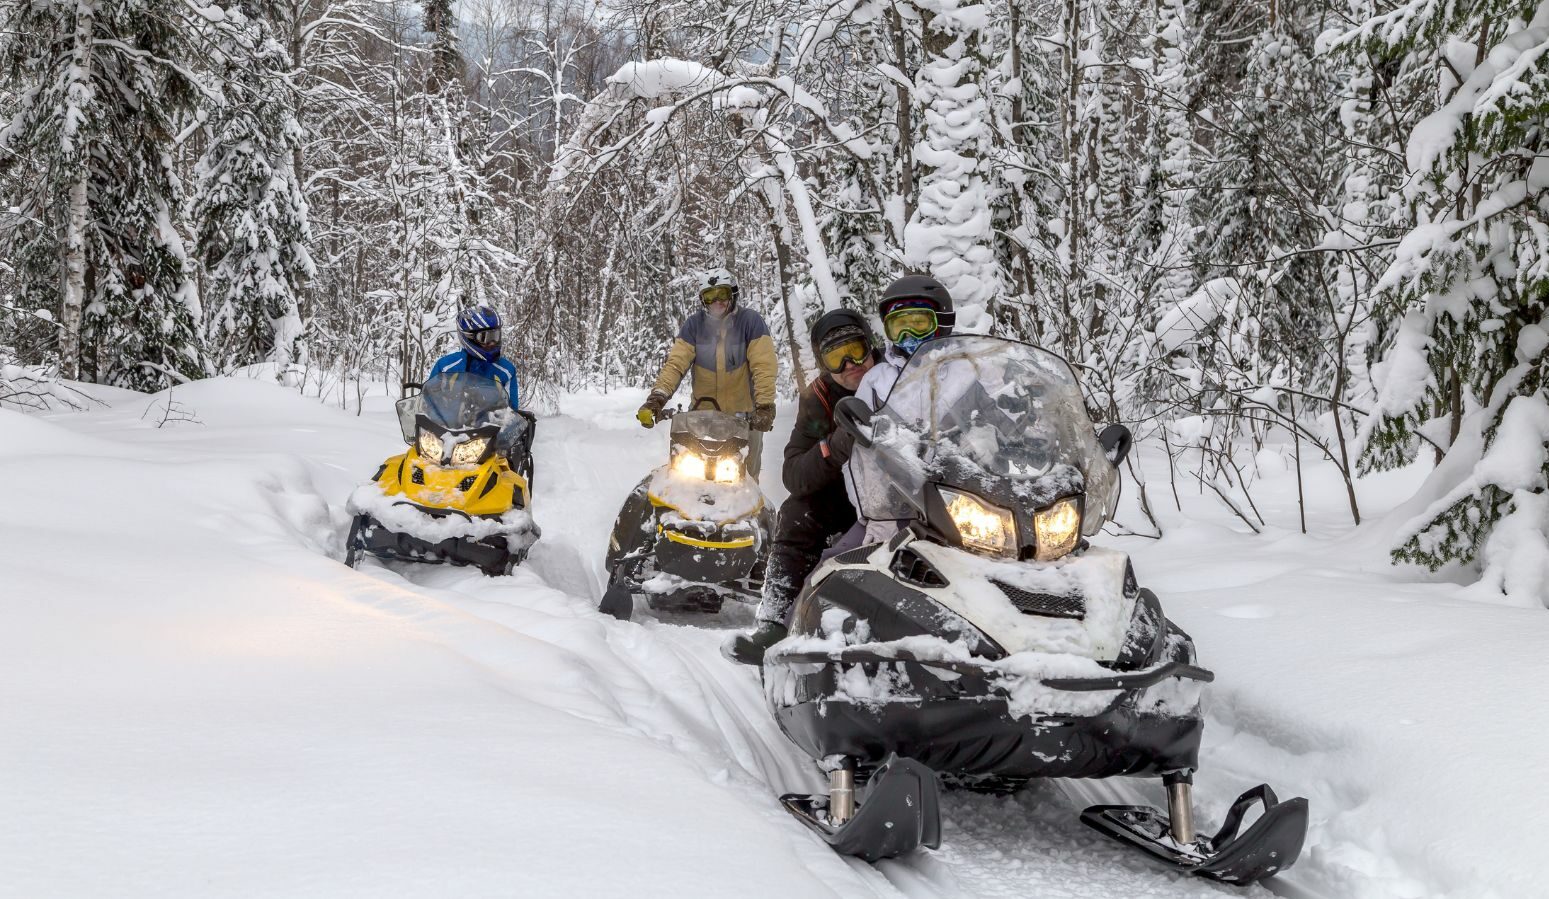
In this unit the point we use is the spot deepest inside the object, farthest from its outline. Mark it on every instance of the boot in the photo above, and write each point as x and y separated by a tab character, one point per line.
749	648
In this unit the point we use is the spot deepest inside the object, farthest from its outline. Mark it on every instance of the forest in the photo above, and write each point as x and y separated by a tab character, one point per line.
1308	227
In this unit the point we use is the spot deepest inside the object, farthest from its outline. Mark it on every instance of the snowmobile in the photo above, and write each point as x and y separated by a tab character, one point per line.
460	494
988	642
695	531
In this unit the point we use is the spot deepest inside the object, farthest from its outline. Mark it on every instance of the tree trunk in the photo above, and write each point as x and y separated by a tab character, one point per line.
73	299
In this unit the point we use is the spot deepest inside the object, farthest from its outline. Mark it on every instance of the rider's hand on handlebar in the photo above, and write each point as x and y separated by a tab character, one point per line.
652	409
763	417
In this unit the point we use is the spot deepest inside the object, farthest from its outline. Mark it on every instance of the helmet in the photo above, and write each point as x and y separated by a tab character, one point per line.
918	292
478	330
714	285
834	330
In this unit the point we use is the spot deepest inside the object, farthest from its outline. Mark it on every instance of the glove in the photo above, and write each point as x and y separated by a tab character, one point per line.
840	444
763	417
652	408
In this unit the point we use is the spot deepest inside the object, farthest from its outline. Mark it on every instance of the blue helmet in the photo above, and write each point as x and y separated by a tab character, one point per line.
478	330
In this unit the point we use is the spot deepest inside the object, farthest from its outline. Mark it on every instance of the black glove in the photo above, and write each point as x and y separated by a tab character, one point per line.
763	417
840	444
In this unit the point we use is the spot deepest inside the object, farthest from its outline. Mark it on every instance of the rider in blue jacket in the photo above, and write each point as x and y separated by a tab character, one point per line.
478	330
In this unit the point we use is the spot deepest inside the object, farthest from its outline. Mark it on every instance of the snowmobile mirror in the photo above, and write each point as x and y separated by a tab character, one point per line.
851	414
1116	441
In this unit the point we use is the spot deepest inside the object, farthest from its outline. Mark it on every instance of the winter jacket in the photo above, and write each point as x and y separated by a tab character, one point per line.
502	371
809	466
732	359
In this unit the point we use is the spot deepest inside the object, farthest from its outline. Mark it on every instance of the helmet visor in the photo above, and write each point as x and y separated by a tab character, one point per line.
909	322
488	338
715	293
846	352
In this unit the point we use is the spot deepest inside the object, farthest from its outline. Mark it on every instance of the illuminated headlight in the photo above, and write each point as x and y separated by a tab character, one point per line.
429	446
984	528
1057	529
690	465
728	470
469	452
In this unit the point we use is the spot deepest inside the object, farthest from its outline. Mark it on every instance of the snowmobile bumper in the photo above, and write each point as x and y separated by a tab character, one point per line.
1269	846
956	718
490	554
901	812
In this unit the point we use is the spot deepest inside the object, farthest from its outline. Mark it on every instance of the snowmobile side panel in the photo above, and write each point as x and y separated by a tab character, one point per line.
890	609
1266	848
976	739
901	812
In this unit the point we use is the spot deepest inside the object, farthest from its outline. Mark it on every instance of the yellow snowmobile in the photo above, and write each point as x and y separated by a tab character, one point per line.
461	493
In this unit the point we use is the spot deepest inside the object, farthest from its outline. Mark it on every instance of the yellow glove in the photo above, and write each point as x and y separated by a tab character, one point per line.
652	408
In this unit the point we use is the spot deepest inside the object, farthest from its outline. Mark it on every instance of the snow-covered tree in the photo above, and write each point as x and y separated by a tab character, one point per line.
254	232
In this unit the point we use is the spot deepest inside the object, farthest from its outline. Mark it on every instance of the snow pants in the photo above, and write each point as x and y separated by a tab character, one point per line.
804	528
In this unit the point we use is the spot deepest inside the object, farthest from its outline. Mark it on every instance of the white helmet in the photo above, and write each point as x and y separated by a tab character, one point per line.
717	277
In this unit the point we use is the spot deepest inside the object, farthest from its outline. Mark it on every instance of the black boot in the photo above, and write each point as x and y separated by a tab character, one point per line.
749	648
617	601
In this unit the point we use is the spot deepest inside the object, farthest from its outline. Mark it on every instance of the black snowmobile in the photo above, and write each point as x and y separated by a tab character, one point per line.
696	530
987	642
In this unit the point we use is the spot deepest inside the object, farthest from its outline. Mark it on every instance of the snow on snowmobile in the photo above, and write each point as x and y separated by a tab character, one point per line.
987	642
695	531
455	496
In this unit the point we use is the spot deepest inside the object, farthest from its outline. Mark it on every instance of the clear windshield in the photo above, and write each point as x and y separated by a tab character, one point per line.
1001	419
457	401
708	428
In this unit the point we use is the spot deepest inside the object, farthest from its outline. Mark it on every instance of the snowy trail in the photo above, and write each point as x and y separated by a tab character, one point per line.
198	698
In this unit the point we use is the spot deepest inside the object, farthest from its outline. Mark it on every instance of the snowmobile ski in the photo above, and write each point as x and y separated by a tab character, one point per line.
902	812
1267	847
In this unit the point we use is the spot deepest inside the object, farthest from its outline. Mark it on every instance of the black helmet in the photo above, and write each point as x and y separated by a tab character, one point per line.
921	287
840	324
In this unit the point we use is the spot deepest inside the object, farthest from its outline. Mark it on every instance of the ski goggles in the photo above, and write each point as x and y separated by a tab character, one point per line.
716	293
853	351
913	321
488	338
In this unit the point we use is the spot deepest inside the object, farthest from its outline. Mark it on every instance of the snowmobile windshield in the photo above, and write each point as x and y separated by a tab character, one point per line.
459	401
1002	420
709	431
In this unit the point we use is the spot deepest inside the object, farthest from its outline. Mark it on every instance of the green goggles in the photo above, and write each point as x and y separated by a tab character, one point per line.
718	293
912	322
854	351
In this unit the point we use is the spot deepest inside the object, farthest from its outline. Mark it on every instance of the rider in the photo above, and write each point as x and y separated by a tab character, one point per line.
914	309
732	357
817	511
478	330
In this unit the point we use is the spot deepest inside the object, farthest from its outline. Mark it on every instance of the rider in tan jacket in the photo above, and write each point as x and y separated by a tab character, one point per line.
731	356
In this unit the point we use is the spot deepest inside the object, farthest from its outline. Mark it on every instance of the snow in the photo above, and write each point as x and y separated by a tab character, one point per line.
197	698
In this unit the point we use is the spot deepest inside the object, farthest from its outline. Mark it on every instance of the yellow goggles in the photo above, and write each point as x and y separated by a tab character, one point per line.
915	322
718	293
848	352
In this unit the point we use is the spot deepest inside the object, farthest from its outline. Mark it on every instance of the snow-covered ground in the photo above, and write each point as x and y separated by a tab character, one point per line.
197	698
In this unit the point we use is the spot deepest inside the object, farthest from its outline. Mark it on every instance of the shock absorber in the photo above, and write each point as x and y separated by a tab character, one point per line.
841	793
1180	805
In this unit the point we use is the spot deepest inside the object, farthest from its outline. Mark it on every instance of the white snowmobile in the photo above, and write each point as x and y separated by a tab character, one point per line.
988	642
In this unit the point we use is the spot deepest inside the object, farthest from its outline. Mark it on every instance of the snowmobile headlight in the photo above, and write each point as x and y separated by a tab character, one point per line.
1056	529
689	464
469	452
429	445
728	470
984	528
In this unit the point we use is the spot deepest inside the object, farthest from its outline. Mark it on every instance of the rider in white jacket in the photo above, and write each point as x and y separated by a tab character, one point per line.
914	309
